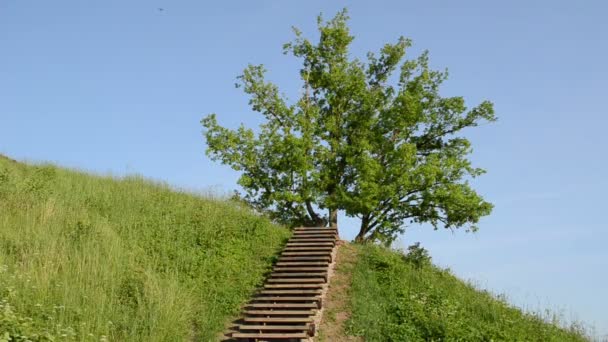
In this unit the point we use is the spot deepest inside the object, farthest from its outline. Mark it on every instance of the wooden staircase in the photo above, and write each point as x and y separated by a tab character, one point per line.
284	309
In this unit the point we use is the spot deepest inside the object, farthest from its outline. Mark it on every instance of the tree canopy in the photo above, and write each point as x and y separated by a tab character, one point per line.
373	138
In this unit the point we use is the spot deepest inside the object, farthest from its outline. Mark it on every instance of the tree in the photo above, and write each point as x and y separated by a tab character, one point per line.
386	152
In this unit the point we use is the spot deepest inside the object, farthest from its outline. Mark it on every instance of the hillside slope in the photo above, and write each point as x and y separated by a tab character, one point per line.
93	258
394	296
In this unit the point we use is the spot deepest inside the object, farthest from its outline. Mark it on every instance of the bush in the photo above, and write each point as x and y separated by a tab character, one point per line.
417	256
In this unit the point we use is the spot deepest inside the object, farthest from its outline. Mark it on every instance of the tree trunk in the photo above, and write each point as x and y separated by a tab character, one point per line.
333	218
363	230
316	219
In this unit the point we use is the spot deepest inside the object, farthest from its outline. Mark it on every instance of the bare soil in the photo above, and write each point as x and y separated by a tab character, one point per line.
336	304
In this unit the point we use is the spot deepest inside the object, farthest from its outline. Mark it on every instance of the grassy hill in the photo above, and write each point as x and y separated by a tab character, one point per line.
395	296
93	258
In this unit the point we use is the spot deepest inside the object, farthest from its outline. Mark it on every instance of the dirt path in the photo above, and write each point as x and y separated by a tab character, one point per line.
336	304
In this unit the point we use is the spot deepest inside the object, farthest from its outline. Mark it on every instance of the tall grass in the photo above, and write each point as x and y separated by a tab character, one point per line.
405	298
93	258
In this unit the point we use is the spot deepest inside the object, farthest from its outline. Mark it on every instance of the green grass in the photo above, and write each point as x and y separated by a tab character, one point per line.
92	258
394	300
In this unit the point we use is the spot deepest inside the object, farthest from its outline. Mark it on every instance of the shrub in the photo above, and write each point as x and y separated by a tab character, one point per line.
417	256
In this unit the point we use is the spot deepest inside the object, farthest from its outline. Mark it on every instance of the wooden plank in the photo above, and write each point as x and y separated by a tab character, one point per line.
309	248
300	269
311	240
293	286
304	259
274	327
278	319
282	306
298	274
324	236
306	253
314	232
314	243
285	299
297	280
290	292
315	228
305	256
310	244
280	312
301	263
270	335
316	258
302	235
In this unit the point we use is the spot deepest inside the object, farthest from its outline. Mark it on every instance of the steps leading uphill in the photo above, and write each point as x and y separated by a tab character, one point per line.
285	309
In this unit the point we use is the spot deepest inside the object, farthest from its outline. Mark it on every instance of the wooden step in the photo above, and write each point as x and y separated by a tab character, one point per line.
306	257
308	248
275	327
277	275
286	299
280	312
301	254
293	286
290	292
297	280
323	236
326	258
286	256
321	230
307	237
285	306
325	229
313	237
302	263
315	233
315	228
310	244
270	335
311	240
300	269
278	319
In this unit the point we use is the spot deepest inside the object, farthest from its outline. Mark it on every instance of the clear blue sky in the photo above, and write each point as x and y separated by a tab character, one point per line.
121	86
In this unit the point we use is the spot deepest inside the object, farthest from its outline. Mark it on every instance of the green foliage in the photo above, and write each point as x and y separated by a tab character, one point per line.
395	298
93	258
4	177
4	182
16	328
417	256
387	152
